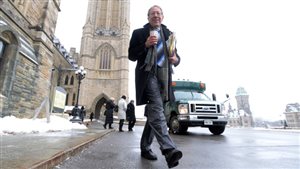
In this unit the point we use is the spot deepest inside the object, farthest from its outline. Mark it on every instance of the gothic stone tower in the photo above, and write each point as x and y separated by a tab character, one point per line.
104	50
242	99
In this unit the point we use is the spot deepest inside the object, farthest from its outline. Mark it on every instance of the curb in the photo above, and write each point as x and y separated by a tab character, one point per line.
63	155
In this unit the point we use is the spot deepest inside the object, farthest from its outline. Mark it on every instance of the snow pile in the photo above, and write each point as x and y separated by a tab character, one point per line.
13	125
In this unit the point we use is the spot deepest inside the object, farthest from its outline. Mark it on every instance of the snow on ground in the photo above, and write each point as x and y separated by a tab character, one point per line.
13	125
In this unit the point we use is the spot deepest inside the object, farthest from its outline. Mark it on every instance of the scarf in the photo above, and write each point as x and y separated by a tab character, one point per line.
162	73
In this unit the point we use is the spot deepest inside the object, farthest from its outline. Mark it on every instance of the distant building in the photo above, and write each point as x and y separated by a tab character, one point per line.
242	117
233	117
292	115
234	122
243	106
245	119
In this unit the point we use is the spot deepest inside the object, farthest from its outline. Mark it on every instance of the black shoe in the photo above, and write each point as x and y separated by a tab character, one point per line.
149	155
172	157
121	130
111	128
104	126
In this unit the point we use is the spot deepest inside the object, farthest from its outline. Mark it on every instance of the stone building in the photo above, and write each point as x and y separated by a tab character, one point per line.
292	115
104	53
242	116
243	107
29	58
33	62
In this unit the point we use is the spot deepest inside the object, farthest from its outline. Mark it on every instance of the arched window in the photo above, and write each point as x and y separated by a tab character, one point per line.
73	100
72	80
67	98
67	80
105	57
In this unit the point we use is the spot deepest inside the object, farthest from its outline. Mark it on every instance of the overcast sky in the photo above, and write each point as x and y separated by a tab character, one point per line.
224	43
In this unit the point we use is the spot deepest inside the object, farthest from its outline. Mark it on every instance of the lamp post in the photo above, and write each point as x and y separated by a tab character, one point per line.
80	75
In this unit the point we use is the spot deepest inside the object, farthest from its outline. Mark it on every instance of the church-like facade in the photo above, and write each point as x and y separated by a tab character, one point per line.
104	53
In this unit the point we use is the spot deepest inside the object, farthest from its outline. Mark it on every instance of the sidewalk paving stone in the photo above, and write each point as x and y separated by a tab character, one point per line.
46	150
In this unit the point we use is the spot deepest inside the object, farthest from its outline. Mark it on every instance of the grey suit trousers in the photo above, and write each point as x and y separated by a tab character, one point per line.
156	124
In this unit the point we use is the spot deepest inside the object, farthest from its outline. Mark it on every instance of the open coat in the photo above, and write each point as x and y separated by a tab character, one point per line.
138	52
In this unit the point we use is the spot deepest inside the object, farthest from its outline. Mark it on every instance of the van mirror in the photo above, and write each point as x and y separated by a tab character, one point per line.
214	97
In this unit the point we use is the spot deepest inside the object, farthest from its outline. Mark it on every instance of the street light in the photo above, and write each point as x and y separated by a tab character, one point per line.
80	74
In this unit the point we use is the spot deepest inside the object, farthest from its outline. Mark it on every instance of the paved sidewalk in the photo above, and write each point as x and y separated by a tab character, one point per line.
46	150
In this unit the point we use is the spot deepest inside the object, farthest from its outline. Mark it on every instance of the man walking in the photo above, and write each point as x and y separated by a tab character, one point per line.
153	83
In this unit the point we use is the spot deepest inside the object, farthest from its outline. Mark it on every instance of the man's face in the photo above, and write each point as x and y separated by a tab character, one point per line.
155	17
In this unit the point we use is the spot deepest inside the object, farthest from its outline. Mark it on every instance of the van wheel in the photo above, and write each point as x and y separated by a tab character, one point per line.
176	127
217	130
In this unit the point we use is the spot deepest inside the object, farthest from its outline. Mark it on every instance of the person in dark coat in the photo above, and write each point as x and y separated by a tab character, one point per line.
130	115
153	82
109	119
82	113
92	116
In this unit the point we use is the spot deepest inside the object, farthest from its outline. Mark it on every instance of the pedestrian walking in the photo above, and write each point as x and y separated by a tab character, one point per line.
82	113
130	115
122	107
92	116
153	77
109	119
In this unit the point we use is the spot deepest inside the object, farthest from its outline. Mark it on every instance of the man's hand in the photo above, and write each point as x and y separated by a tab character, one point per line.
151	41
173	59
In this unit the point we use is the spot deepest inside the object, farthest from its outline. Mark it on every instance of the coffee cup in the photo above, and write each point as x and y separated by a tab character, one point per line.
154	33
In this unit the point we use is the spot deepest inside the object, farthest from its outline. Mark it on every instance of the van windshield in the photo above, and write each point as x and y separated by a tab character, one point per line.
191	95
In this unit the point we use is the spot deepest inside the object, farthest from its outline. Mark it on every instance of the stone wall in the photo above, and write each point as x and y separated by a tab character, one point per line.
31	62
23	89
